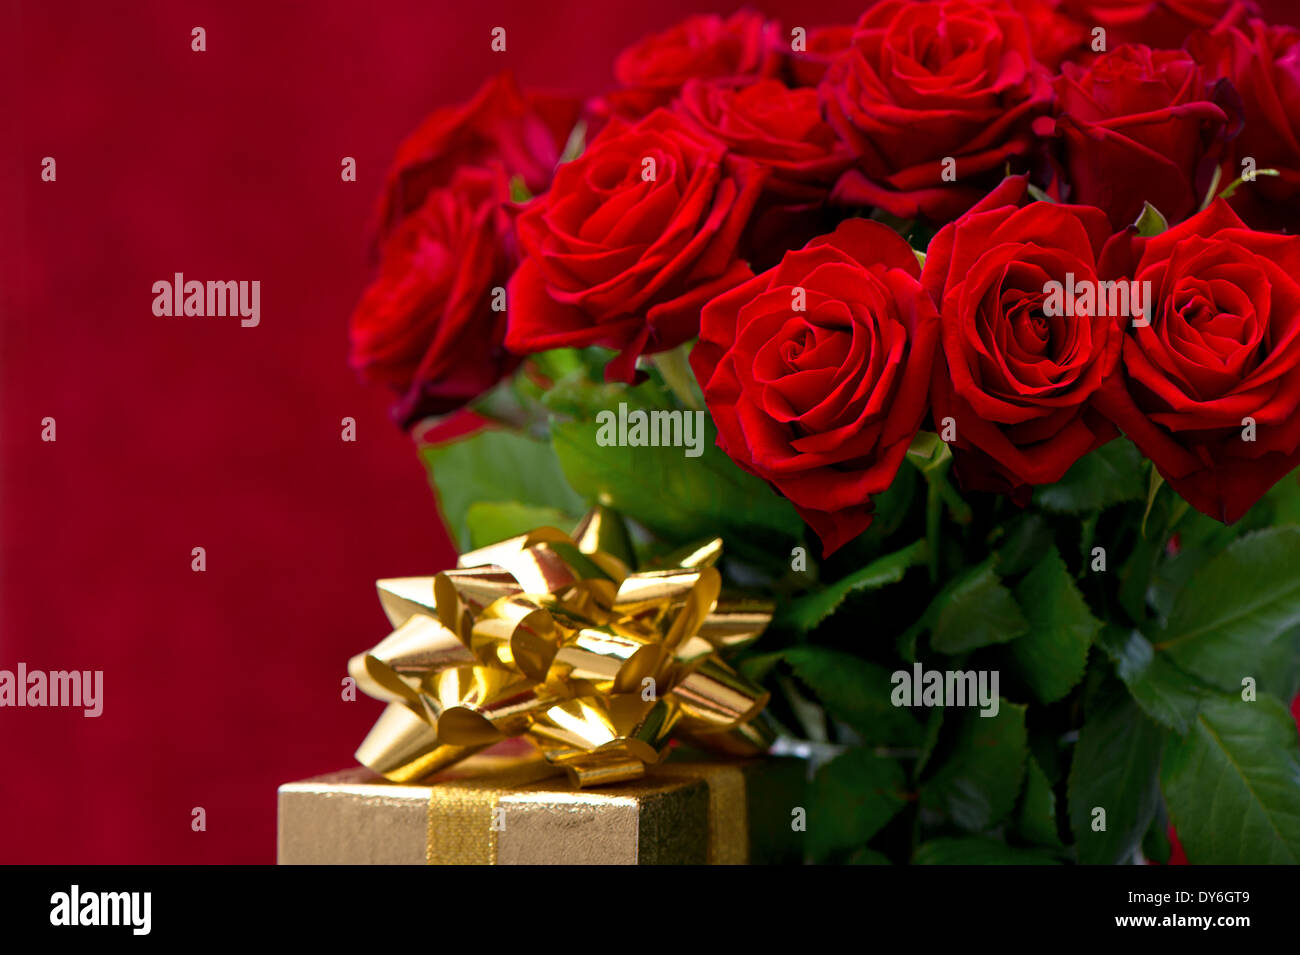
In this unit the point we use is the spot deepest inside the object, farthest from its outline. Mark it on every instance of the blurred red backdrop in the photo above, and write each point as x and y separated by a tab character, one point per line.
178	433
173	434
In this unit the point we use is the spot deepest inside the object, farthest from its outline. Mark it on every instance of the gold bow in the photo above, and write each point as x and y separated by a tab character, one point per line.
556	637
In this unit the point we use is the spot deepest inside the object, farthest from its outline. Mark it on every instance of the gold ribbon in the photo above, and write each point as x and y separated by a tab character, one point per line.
556	637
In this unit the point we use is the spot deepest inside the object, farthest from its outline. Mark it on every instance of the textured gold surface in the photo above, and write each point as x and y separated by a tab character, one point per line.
509	811
351	818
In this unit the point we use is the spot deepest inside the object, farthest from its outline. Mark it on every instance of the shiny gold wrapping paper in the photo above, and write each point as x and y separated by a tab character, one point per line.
506	811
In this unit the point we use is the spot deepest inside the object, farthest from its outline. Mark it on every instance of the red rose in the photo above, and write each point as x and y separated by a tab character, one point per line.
821	45
426	326
633	238
823	401
1018	376
703	46
525	133
782	131
927	82
1161	24
1054	35
1139	125
1210	389
1263	63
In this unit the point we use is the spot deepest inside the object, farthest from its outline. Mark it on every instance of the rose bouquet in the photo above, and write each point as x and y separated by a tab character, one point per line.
974	328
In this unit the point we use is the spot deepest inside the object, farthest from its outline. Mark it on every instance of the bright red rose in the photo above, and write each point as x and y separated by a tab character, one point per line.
1209	390
927	82
821	45
782	131
1160	24
426	326
525	133
703	46
1139	125
1019	371
633	238
1263	63
816	372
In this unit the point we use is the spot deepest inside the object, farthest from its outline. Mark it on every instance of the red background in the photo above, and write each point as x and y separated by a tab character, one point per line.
177	433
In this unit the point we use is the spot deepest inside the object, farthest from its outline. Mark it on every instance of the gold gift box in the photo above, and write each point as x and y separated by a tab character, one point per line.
494	810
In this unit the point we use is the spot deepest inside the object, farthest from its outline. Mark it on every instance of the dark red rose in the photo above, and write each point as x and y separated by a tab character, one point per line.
525	133
618	258
703	46
807	66
782	131
1018	376
1054	35
1263	63
927	82
1160	24
1209	390
823	401
1139	125
426	326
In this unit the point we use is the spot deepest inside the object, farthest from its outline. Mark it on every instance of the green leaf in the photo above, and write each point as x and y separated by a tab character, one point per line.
978	784
1115	768
1164	693
495	465
1026	540
805	613
1153	488
1284	499
927	452
1234	607
1038	193
855	692
558	363
1037	817
518	190
852	797
675	496
492	521
1150	222
1054	653
974	611
933	727
1232	784
976	851
1155	844
868	857
574	394
576	143
1110	475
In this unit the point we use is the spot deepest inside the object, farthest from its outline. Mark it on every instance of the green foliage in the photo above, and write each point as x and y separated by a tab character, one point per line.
1233	608
496	467
856	692
1113	792
977	785
1233	783
807	612
852	798
1110	475
979	852
974	611
1150	684
1054	653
